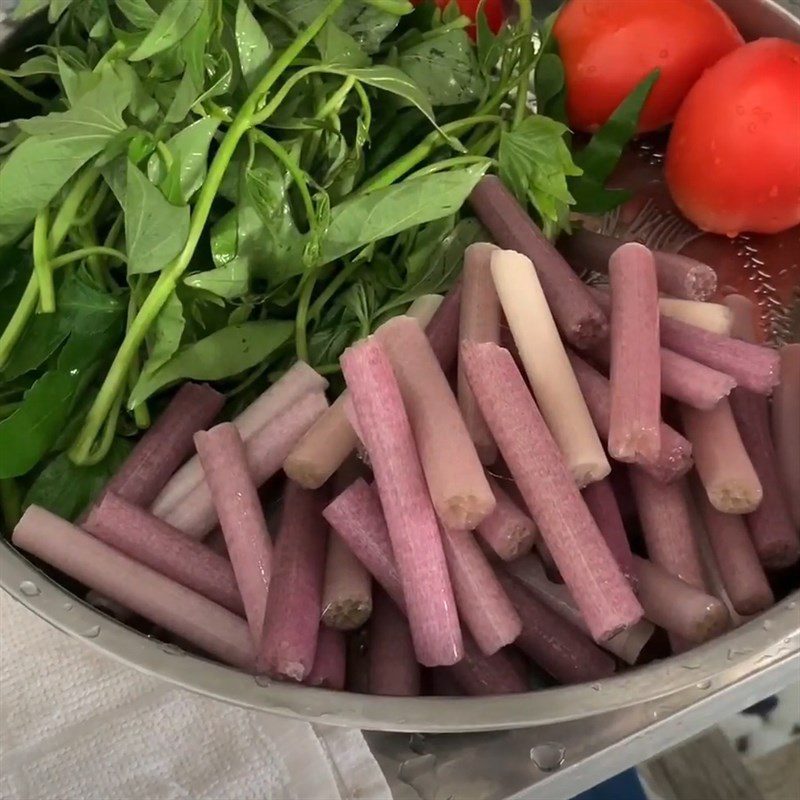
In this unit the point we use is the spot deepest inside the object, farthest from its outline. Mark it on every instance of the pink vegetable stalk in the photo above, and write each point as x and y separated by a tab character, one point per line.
754	367
347	591
480	322
152	542
326	445
552	380
480	675
775	536
740	570
602	503
578	316
266	450
208	626
442	330
241	518
723	464
330	660
462	497
675	458
323	448
166	445
679	276
530	572
773	531
407	507
556	646
635	422
291	621
299	381
684	379
508	530
393	668
683	610
666	520
594	577
786	426
357	516
482	604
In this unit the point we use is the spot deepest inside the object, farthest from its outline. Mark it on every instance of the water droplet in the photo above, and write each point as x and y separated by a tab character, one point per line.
717	162
691	666
706	684
417	743
263	680
172	649
752	127
67	606
29	589
740	110
92	633
767	624
663	54
792	604
596	687
548	756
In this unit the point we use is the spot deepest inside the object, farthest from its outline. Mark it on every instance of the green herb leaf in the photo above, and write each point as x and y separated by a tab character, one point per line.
33	67
340	49
223	354
535	162
27	435
190	146
173	23
388	211
57	8
155	230
164	337
59	145
66	489
230	281
138	13
550	87
601	155
253	45
445	68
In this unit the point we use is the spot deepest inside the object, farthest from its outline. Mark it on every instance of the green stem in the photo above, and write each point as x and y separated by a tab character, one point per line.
141	413
449	163
41	267
397	169
333	286
86	252
169	277
336	100
459	23
293	168
21	90
91	212
100	449
526	24
301	318
68	213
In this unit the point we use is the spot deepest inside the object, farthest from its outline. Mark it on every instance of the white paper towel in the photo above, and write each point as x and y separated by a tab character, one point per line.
74	724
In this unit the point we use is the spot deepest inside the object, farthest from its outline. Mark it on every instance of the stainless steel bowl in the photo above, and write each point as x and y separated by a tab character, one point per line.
768	641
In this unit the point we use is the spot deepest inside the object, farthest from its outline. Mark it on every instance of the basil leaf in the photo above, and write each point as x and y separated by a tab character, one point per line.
173	23
252	44
385	212
601	155
225	353
155	230
59	145
66	489
28	433
535	162
230	281
445	68
138	13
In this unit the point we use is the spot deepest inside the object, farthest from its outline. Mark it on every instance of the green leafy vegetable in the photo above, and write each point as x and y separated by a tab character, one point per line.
173	23
155	230
223	354
253	45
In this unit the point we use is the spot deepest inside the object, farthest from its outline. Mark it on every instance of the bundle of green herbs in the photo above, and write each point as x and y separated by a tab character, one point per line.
211	189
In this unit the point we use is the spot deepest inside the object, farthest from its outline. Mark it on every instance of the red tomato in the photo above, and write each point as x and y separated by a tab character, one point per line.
469	8
608	46
733	159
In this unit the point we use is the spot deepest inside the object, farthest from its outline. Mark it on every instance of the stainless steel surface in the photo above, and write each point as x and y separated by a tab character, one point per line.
740	659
